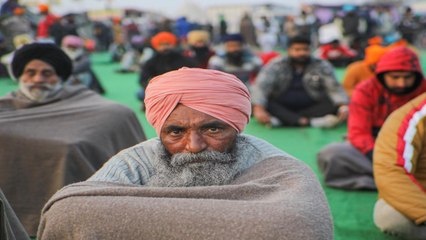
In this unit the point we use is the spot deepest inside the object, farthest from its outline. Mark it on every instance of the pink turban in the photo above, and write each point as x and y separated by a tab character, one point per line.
218	94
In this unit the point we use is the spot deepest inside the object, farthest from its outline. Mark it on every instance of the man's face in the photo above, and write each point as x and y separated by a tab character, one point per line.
38	80
189	131
199	44
299	53
233	46
197	150
164	47
399	82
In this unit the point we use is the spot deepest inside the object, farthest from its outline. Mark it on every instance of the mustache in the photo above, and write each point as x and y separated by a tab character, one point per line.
181	159
43	86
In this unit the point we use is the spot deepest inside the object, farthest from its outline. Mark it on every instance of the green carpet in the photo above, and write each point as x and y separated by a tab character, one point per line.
352	211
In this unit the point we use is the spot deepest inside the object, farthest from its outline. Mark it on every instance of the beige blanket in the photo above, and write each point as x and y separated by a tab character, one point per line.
45	147
278	198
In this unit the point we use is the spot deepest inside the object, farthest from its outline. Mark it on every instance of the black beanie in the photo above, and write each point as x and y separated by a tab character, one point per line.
46	52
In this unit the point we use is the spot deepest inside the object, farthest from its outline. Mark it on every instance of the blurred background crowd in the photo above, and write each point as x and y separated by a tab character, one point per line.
339	32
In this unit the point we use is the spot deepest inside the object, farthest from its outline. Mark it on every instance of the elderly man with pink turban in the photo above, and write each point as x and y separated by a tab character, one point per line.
201	178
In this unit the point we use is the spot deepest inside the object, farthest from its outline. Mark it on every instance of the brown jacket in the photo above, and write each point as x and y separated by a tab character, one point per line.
400	160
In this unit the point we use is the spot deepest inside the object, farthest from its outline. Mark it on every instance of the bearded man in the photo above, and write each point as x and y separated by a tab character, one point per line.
236	58
53	134
298	90
200	179
398	79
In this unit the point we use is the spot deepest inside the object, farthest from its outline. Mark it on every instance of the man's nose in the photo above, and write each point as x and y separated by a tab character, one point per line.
401	83
195	142
38	78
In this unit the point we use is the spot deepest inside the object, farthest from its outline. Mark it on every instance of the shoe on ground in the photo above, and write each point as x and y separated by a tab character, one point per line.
327	121
274	122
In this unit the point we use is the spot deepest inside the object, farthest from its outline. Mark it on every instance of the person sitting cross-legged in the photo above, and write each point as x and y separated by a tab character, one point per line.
398	79
400	170
298	90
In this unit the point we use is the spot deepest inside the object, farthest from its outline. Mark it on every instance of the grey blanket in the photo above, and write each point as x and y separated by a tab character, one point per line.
277	198
47	146
10	227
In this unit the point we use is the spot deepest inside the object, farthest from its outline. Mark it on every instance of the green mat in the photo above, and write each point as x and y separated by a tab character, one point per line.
352	211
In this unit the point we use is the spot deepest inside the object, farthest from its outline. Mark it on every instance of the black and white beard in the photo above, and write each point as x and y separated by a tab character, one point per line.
207	168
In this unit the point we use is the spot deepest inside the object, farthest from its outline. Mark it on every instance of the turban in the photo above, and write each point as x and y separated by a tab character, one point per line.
377	40
198	36
163	37
373	53
233	37
18	11
72	41
43	8
218	94
46	52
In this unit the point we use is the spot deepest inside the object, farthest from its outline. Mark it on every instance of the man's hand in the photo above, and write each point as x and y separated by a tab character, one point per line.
342	113
261	115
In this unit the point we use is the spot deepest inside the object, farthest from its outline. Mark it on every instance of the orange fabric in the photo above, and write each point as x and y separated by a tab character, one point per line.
43	8
356	72
218	94
162	37
18	11
374	53
377	40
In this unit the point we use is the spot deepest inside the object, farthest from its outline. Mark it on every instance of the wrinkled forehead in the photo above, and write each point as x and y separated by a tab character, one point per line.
183	115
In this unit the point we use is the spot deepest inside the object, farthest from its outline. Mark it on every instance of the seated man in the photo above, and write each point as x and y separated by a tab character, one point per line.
236	59
398	79
166	58
362	70
82	72
400	170
53	134
199	49
200	179
298	90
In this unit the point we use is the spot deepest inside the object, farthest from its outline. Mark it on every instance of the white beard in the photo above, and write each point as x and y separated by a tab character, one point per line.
73	54
38	94
217	169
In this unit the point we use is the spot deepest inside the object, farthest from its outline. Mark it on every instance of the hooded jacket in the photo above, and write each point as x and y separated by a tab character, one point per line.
372	102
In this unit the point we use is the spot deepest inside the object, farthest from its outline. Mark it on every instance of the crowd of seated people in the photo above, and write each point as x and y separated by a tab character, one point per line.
88	167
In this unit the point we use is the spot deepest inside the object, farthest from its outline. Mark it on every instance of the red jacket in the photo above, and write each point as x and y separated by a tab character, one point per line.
44	25
371	103
329	52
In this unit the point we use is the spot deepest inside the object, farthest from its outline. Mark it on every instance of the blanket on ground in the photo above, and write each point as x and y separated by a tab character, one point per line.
277	198
45	147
